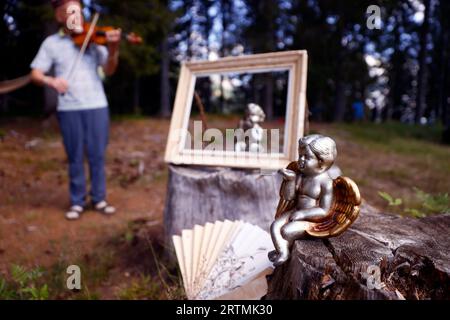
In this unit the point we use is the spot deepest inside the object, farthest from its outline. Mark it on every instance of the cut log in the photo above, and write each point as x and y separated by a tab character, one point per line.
412	257
196	195
381	256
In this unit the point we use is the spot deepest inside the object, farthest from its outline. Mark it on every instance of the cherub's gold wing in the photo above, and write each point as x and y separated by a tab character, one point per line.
343	212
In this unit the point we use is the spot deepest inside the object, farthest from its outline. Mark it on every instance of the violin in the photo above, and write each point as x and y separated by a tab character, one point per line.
99	36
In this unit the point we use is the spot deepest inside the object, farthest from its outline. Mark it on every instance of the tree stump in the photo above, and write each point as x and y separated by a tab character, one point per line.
196	195
412	256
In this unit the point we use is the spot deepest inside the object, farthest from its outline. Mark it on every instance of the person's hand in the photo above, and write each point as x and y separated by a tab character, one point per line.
287	174
113	39
59	84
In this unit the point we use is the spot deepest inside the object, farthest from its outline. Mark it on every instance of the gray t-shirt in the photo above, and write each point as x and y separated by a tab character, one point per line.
85	84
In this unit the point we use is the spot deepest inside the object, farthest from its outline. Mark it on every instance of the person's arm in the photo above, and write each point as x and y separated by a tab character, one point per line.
59	84
113	39
42	64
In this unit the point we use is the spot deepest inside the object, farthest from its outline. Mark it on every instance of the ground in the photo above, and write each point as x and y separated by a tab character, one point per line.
122	257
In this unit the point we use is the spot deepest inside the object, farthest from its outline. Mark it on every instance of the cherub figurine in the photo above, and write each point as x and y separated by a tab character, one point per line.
254	115
311	202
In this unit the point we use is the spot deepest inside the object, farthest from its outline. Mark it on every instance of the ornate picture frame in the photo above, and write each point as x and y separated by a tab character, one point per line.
295	62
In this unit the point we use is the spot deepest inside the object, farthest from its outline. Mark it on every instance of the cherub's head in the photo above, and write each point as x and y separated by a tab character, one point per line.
255	113
316	154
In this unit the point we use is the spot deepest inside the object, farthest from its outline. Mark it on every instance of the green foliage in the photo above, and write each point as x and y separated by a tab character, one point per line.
423	204
24	285
433	203
151	20
415	213
391	201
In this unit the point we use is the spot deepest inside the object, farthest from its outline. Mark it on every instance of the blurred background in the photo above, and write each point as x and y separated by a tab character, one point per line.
379	87
392	68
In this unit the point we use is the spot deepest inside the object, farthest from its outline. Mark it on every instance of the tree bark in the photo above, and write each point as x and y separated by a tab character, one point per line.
196	195
412	255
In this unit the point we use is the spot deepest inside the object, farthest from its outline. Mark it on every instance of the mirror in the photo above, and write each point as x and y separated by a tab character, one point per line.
255	103
245	111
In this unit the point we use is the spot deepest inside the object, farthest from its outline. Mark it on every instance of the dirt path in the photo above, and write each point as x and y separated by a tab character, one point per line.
34	192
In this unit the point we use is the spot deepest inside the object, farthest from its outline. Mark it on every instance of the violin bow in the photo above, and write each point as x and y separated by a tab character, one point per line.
14	84
83	47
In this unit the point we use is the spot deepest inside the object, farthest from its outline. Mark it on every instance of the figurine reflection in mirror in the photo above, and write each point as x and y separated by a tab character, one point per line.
311	201
250	125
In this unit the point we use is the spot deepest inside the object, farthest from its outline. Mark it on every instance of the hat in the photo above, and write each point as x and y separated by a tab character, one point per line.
57	3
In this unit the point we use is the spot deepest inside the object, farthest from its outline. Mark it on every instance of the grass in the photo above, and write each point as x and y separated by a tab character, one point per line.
142	288
24	284
398	160
98	270
419	142
380	133
95	269
50	283
127	117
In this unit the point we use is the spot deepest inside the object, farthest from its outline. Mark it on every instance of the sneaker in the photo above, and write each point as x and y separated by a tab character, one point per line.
104	207
74	212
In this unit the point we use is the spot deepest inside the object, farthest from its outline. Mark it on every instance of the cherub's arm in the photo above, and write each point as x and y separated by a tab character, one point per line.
257	133
288	187
312	214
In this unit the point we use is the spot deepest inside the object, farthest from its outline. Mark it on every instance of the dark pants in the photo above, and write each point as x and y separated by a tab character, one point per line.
85	131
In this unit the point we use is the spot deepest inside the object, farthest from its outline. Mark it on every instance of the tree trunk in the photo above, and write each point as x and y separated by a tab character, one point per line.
165	83
268	96
136	95
339	107
222	96
395	72
443	82
422	76
412	257
339	111
443	75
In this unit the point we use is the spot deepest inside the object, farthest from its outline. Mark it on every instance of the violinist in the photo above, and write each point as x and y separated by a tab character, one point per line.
82	108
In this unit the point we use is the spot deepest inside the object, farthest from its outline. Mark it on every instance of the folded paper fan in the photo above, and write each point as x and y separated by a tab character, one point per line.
224	260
